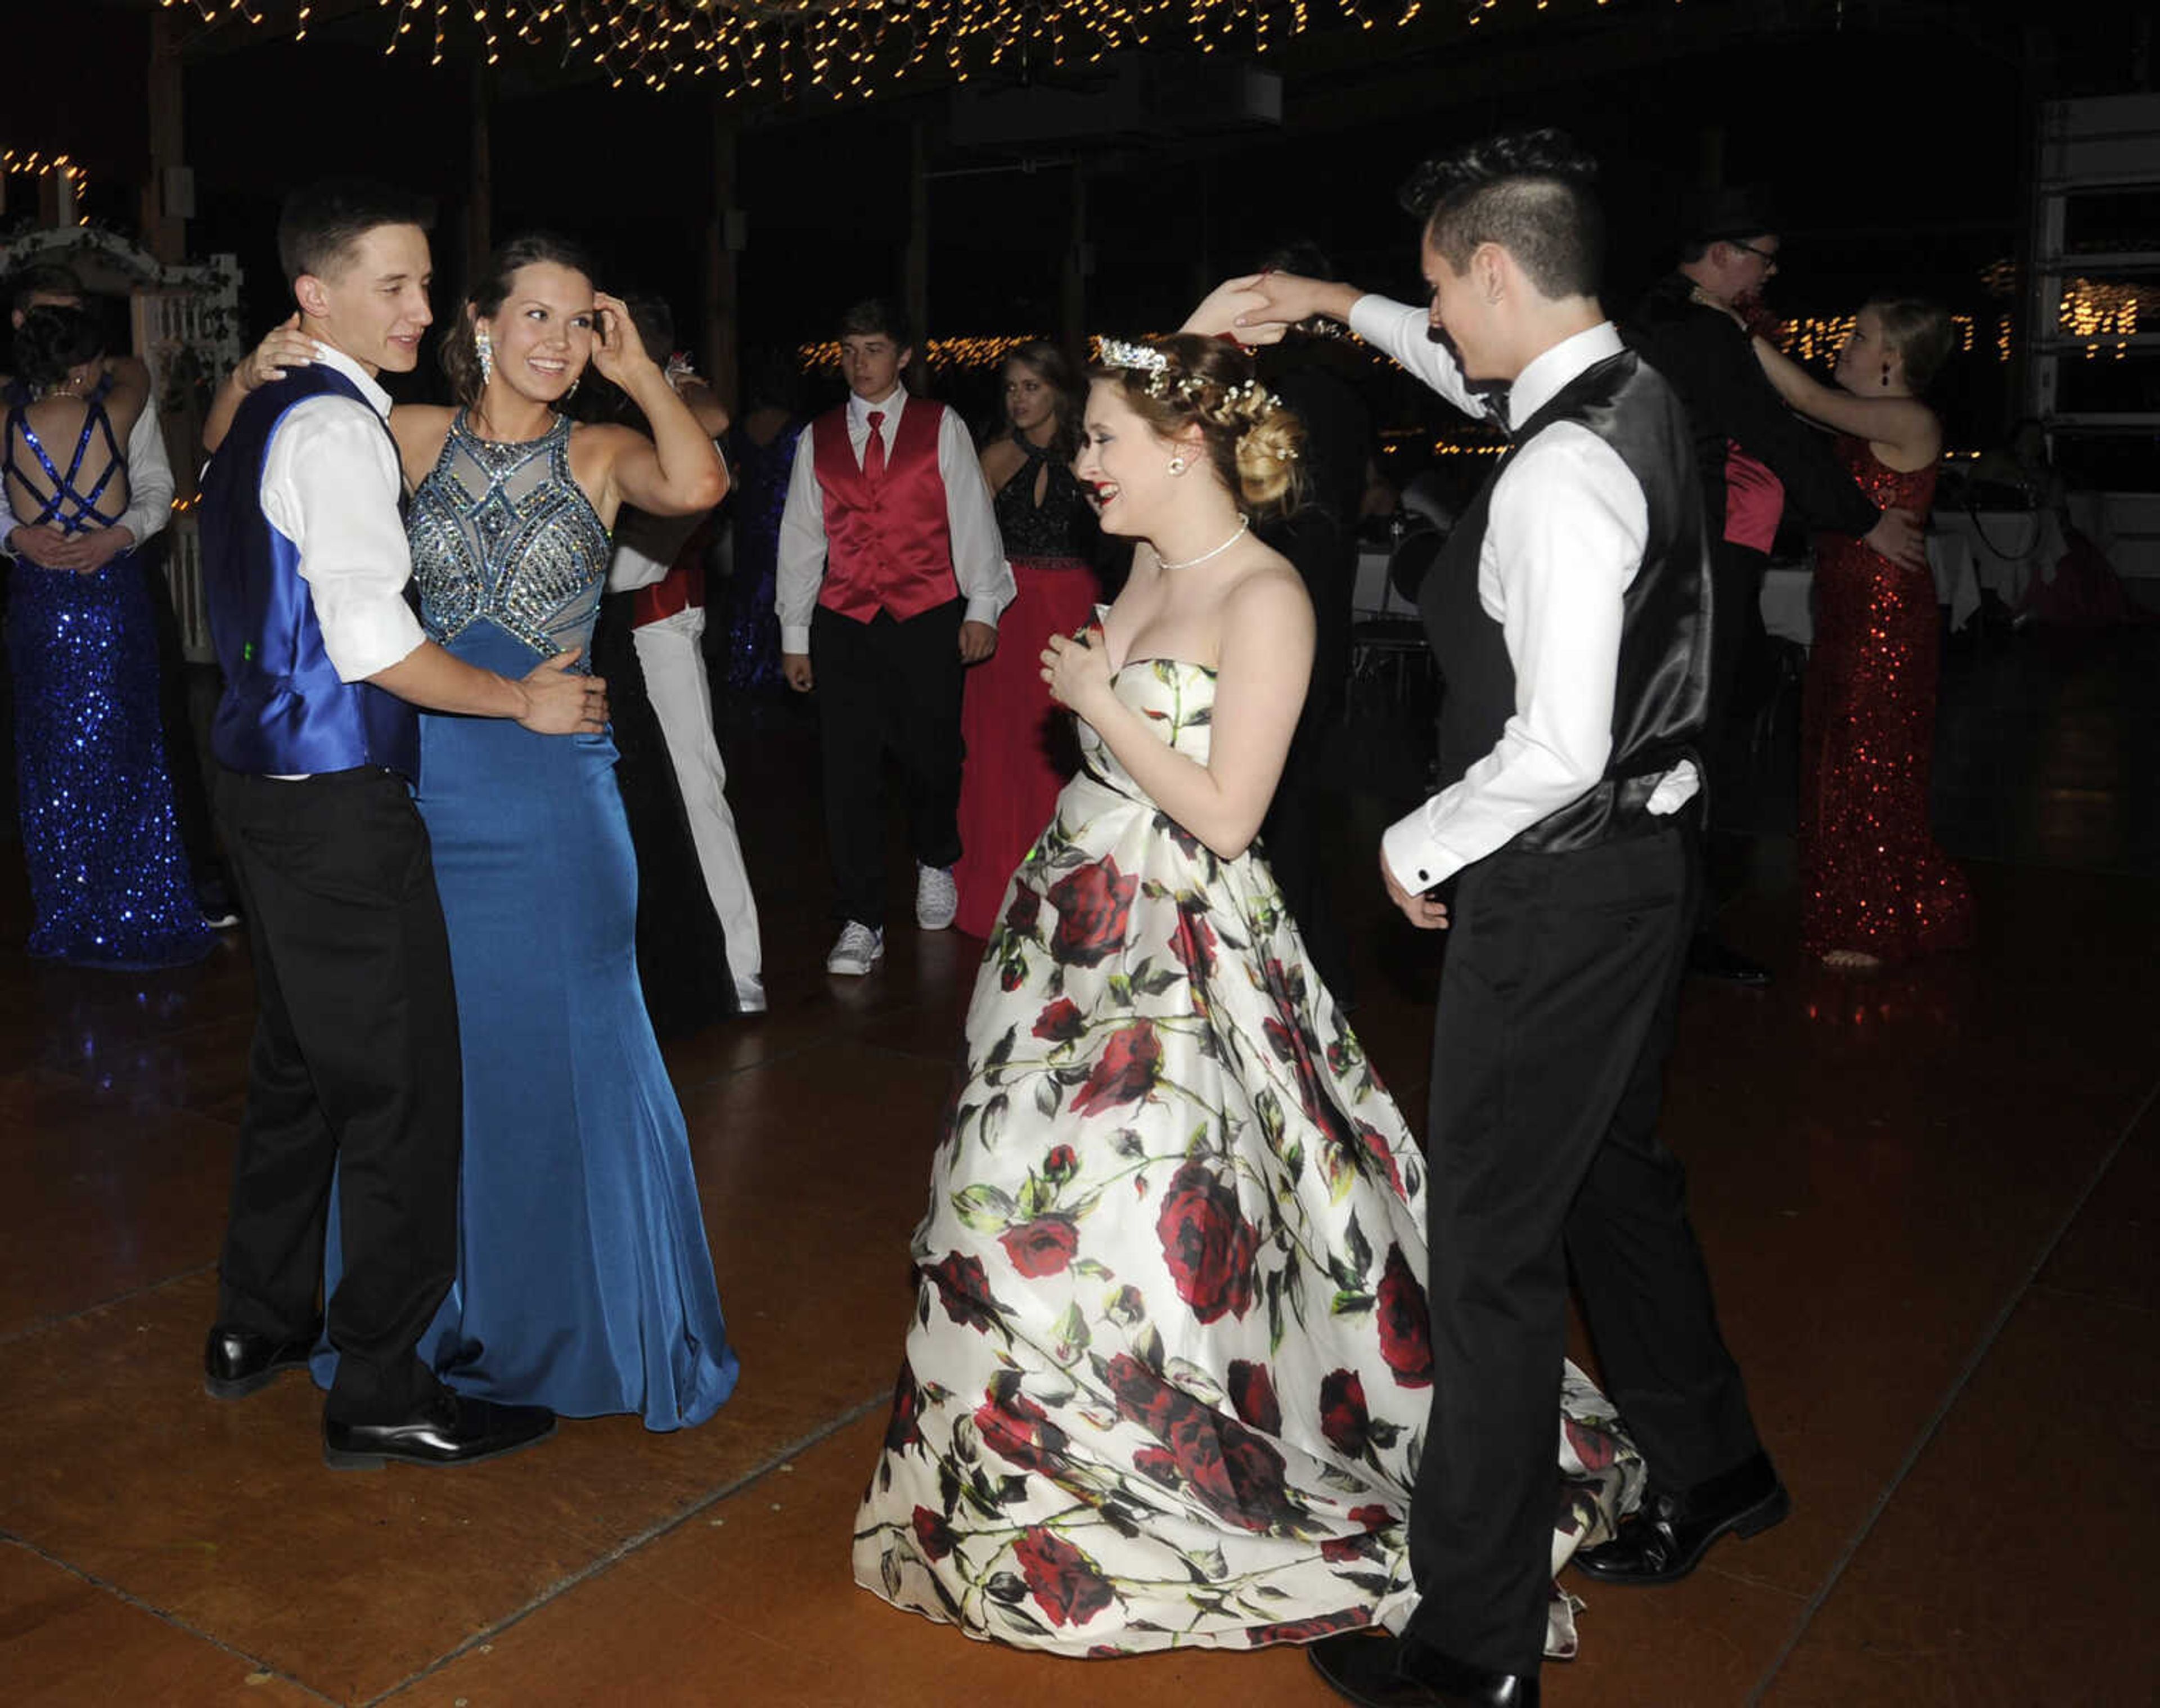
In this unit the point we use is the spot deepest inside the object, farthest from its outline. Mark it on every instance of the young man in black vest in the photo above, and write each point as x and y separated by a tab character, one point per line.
1570	613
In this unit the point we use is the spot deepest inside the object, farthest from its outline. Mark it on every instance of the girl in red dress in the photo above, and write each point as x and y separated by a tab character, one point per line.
1020	748
1874	887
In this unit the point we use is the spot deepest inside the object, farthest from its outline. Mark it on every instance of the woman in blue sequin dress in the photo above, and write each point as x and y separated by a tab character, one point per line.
109	881
761	449
585	1283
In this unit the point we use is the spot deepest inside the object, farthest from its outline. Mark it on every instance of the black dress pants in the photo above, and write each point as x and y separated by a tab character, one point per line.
887	685
1303	821
1556	1013
355	1068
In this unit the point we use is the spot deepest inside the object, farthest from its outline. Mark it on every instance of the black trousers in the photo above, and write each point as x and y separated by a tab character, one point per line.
354	1067
1557	1005
884	685
1302	829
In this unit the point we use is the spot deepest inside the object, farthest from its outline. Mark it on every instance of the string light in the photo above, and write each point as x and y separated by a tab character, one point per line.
32	162
837	48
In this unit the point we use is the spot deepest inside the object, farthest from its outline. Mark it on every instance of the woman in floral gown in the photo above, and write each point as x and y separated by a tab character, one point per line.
1168	1372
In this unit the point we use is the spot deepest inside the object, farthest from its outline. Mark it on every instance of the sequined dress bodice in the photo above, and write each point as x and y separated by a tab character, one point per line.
1058	528
1887	488
503	533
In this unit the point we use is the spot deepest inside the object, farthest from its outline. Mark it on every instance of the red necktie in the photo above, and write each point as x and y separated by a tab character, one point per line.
873	450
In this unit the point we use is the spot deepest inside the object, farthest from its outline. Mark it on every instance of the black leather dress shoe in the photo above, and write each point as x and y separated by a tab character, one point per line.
1386	1671
450	1429
1713	959
238	1362
1668	1537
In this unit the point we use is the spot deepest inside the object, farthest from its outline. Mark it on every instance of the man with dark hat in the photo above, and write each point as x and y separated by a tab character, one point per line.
1753	454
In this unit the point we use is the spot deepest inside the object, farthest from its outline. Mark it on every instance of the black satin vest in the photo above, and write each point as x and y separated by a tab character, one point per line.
1661	693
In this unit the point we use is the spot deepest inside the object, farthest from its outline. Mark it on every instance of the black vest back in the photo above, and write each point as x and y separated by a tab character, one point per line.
1661	693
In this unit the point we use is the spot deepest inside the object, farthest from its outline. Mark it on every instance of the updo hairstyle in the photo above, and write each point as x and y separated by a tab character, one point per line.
52	340
1255	440
460	353
1917	329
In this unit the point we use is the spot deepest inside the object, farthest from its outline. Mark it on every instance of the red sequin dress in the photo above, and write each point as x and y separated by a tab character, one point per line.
1872	879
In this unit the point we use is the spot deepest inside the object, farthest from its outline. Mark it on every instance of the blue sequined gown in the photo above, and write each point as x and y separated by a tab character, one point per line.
583	1281
109	881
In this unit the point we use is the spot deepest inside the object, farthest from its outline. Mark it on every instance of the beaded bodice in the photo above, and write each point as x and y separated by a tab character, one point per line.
1060	525
504	533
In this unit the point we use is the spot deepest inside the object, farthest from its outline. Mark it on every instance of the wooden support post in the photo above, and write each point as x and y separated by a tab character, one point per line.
917	283
166	197
479	190
1079	262
718	349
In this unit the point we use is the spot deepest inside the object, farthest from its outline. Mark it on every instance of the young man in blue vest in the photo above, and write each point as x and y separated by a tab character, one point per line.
890	580
354	1067
1570	613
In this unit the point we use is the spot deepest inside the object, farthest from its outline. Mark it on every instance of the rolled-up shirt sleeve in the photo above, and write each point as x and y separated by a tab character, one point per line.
984	578
1566	533
801	565
330	485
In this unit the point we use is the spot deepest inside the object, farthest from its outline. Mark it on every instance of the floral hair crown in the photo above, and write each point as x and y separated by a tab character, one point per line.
1147	359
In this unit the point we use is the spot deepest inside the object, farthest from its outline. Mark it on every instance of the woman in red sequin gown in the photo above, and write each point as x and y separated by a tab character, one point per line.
1875	888
1020	749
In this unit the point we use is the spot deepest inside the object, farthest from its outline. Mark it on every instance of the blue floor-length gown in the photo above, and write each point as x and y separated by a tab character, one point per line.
583	1281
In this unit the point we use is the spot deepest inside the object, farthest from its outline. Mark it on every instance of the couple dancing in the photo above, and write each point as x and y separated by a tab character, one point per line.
1203	1352
486	1174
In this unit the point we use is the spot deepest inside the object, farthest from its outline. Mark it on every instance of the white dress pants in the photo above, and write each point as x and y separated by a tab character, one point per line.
672	655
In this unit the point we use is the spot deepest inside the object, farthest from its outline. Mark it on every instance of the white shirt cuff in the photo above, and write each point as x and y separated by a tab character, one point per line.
1417	861
984	609
795	639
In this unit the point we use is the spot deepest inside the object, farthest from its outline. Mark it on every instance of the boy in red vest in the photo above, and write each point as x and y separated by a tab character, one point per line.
890	580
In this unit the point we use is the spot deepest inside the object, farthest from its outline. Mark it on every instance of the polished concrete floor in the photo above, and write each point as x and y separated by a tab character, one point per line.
1927	1198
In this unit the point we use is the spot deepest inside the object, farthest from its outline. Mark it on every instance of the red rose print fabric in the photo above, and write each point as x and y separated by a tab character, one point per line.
1167	1376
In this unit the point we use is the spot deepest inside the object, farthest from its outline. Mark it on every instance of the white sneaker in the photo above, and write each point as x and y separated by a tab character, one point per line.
936	897
750	994
859	949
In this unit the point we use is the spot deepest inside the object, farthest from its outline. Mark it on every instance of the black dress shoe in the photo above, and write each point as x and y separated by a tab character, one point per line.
238	1362
1387	1672
1668	1537
1713	959
451	1428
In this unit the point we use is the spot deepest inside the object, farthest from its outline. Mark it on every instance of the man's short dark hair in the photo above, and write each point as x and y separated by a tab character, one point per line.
654	322
42	278
1529	192
875	317
318	226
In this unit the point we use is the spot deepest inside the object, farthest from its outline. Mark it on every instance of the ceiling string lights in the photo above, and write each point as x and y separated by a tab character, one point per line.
835	48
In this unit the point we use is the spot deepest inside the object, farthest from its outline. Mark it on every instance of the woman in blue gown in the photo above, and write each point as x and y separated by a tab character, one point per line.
585	1283
110	884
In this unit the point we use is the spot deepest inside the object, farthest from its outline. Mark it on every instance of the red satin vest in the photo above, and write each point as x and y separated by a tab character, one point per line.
888	547
683	585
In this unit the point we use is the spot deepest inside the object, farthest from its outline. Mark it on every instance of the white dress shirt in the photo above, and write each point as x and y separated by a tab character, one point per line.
331	484
149	482
1565	531
985	579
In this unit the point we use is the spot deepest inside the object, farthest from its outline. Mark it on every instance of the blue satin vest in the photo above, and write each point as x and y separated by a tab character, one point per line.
284	712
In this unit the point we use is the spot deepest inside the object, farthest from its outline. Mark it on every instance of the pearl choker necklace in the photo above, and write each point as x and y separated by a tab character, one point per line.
1243	523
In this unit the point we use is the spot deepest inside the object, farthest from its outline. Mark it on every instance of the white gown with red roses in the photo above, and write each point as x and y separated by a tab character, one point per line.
1167	1376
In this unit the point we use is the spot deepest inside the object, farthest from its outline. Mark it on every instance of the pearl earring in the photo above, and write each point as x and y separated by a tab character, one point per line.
1177	465
485	346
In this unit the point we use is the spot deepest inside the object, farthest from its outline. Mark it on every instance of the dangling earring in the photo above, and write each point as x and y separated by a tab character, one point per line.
485	346
1177	465
572	391
1885	376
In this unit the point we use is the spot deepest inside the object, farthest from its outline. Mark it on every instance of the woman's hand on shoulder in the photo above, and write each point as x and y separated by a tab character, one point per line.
283	348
